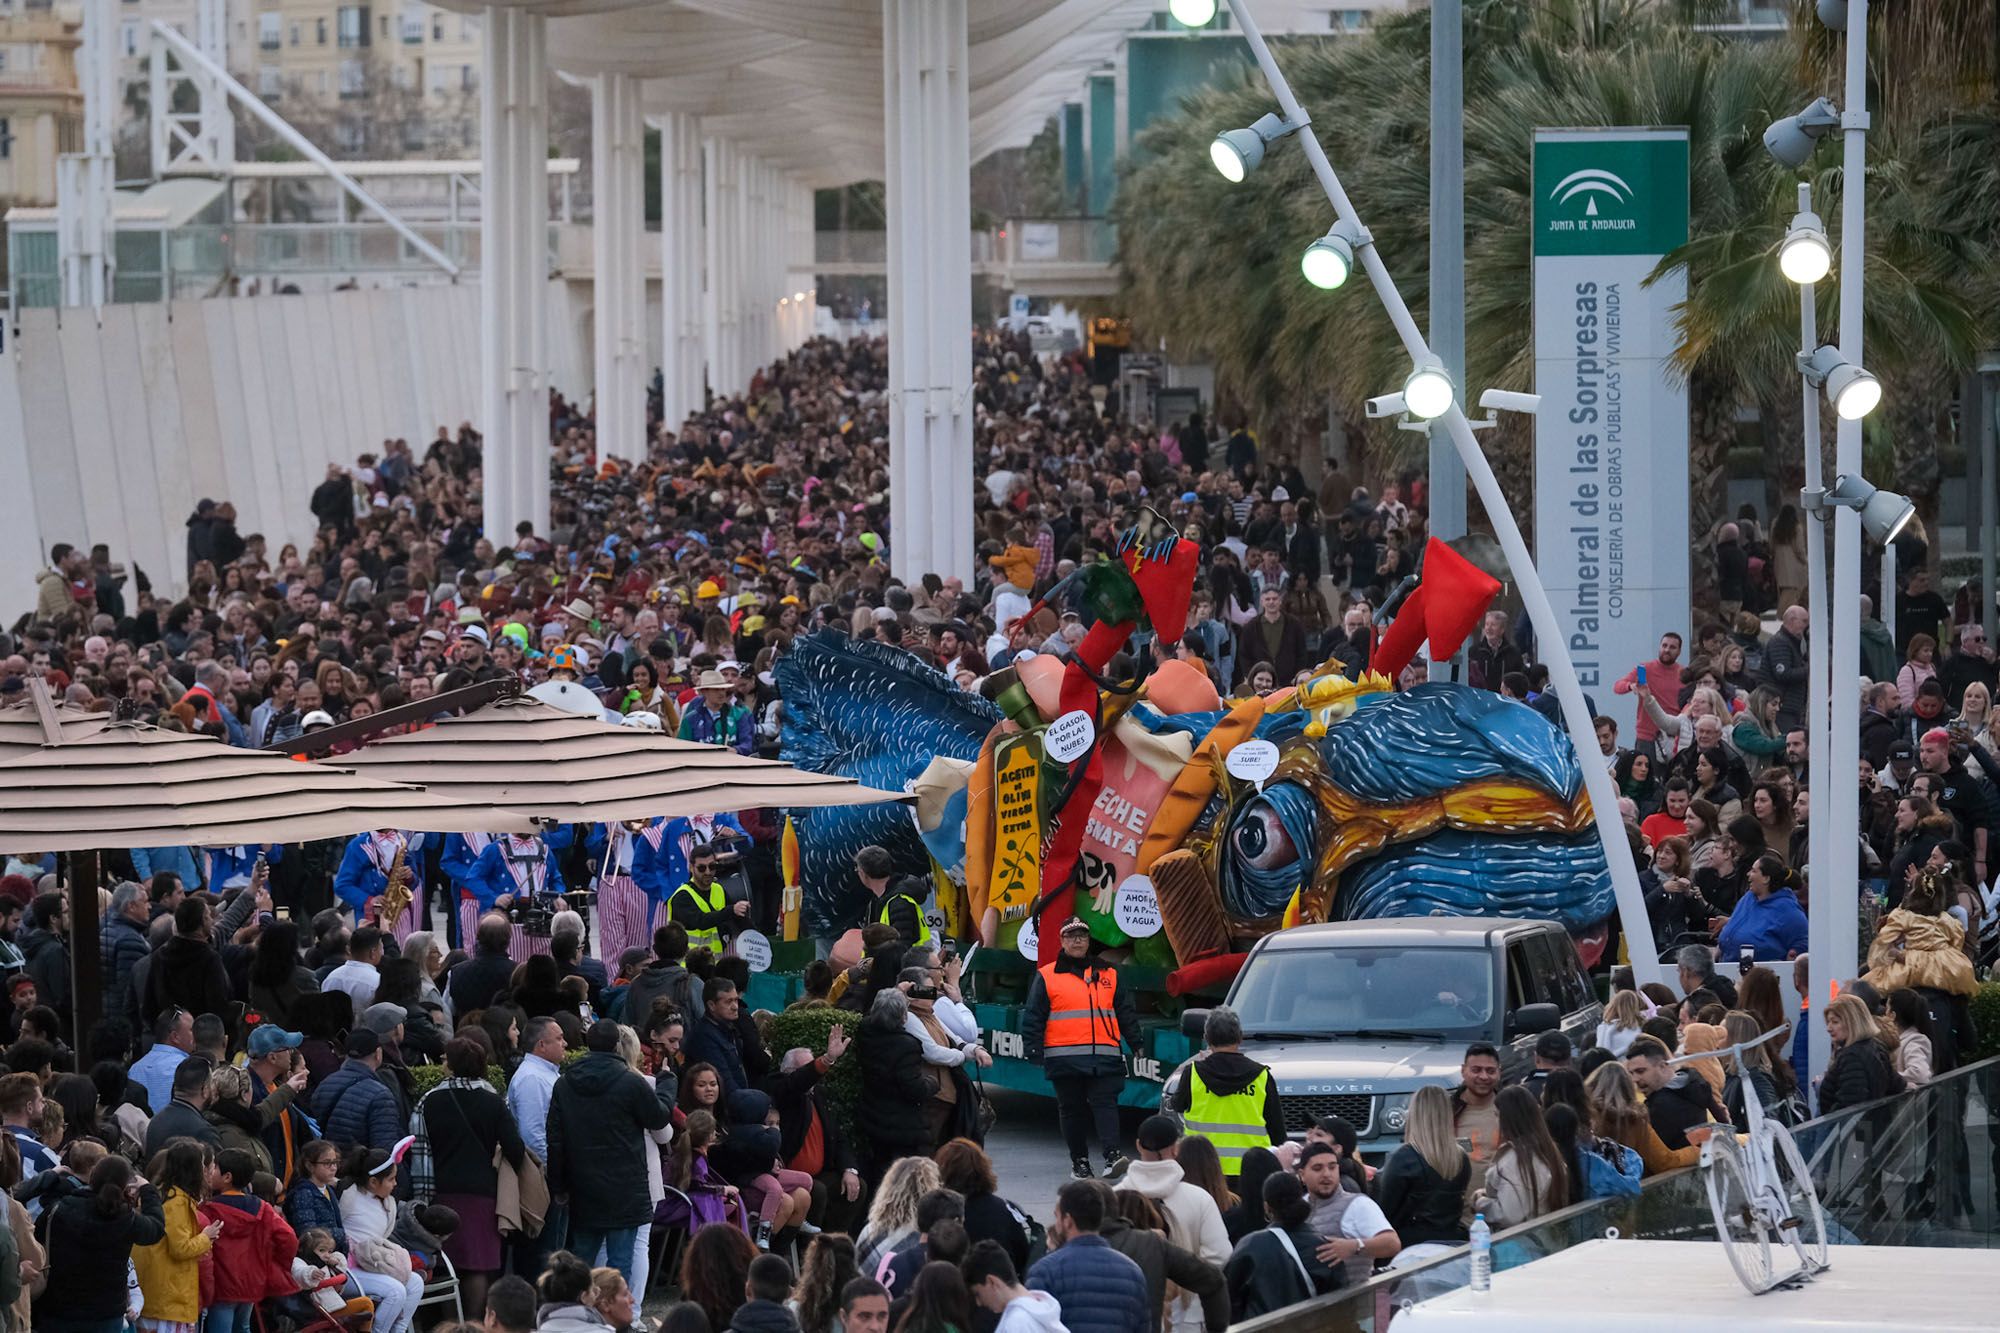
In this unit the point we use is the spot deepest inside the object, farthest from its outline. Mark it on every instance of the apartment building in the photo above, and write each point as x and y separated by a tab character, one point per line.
41	106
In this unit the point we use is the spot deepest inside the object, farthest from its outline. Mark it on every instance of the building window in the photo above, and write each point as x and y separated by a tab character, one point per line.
270	30
353	78
437	27
468	78
129	38
6	138
413	26
1349	20
350	136
270	82
353	21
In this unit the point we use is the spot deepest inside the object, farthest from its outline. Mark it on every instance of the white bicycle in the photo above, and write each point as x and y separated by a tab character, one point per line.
1761	1192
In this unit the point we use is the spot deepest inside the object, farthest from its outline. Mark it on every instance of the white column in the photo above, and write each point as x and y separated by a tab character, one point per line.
218	120
84	181
682	256
514	270
927	137
618	226
723	196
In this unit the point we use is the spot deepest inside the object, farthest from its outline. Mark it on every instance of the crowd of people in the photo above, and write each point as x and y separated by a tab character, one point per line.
300	1097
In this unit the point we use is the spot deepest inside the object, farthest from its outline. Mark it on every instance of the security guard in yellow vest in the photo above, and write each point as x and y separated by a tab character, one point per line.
1076	1016
892	906
1227	1097
701	906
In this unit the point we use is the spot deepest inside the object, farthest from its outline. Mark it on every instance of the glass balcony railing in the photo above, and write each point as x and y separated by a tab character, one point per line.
1916	1170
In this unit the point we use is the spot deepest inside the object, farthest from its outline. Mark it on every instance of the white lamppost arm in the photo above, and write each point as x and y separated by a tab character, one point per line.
1549	637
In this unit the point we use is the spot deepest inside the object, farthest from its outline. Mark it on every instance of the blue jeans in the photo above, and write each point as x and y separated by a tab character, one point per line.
616	1242
228	1319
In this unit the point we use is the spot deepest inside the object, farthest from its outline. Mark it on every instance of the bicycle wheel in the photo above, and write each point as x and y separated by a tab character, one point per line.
1804	1224
1743	1234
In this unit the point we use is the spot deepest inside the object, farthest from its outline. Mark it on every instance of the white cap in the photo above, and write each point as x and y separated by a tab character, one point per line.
319	717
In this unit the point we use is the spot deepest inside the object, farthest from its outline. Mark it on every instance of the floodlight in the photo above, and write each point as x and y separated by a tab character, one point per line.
1387	405
1506	400
1852	391
798	296
1804	256
1192	13
1236	153
1883	513
1428	391
1328	260
1791	140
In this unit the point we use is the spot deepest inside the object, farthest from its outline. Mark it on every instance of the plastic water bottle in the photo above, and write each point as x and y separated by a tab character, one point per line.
1482	1253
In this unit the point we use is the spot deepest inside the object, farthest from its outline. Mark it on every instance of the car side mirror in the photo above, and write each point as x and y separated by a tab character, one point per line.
1194	1022
1531	1019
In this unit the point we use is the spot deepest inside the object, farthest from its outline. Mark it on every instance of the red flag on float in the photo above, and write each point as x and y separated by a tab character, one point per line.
1445	608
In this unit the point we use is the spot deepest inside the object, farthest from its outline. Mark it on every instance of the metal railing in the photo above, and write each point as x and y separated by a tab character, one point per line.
1916	1169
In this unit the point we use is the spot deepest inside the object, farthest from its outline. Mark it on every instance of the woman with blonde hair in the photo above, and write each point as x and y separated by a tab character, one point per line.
1975	709
1615	1113
1705	701
892	1218
1752	1066
1422	1186
1860	1070
1623	1014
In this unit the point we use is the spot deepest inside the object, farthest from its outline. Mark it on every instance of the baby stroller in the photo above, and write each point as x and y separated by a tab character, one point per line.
306	1312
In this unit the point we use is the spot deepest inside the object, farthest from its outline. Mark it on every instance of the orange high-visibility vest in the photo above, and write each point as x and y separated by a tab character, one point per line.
1082	1019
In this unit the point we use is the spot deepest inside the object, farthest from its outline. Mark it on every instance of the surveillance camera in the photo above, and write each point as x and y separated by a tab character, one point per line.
1388	405
1506	400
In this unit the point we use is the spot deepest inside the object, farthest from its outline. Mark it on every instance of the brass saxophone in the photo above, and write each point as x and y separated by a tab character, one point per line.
396	897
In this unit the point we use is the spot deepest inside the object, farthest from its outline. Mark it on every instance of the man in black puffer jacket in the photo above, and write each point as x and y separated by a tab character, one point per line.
597	1135
1677	1100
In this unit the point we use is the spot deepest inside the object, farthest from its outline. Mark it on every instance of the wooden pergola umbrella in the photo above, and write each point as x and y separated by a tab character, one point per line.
24	730
526	755
128	784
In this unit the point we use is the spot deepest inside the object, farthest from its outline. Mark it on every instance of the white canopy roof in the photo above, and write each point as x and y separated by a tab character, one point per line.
799	83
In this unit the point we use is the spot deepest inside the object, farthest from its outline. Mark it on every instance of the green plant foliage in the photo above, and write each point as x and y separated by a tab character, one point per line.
809	1028
1986	1018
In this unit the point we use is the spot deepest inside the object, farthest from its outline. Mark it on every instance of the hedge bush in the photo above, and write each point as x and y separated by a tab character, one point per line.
1986	1018
810	1028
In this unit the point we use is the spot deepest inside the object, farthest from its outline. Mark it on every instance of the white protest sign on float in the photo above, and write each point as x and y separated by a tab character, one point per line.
753	948
1068	738
1136	907
1253	762
1029	941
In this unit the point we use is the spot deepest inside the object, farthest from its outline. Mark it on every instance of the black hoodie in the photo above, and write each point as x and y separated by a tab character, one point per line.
187	971
1224	1073
749	1147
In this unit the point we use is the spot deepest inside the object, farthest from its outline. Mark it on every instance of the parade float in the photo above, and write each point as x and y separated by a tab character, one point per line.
1181	826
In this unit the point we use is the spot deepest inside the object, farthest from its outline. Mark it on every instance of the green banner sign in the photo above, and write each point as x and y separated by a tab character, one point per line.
1599	193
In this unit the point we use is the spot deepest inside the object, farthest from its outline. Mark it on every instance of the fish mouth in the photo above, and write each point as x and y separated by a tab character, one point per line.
1591	942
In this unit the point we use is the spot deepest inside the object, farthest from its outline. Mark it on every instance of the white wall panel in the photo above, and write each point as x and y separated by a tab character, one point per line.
281	400
130	409
119	427
233	417
335	432
21	552
253	383
304	465
90	435
208	473
51	454
424	368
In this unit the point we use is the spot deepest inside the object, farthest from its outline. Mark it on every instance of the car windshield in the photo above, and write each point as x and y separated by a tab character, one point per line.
1388	991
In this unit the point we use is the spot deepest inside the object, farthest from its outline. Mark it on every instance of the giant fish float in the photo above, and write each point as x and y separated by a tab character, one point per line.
1365	802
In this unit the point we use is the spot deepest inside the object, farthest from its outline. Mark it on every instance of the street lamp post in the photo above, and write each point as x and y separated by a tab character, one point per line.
1836	901
1548	631
1819	825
